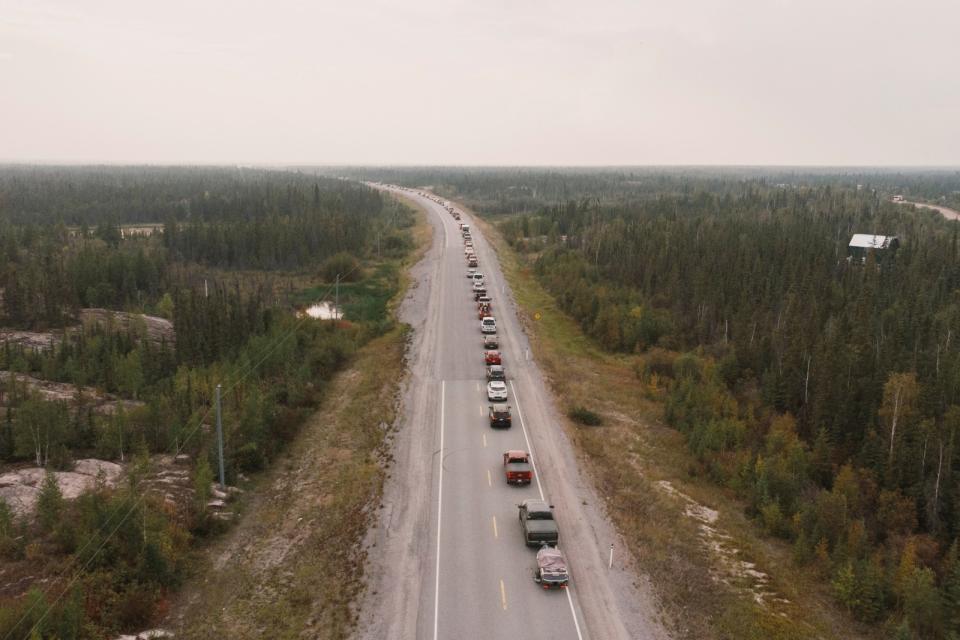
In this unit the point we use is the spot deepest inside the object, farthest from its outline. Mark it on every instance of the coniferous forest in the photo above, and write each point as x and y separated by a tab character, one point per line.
194	275
823	388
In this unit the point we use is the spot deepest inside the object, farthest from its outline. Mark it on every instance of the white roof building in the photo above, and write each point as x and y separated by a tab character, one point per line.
868	241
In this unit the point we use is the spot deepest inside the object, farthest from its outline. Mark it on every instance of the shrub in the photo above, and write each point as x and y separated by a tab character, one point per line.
344	264
585	416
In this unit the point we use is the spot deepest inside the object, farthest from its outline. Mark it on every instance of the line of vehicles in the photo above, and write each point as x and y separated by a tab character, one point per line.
535	515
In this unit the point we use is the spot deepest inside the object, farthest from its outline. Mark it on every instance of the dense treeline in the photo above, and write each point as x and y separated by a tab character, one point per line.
47	275
91	195
519	189
825	390
233	331
263	221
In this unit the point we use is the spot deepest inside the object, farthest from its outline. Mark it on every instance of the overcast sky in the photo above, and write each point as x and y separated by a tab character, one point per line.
555	82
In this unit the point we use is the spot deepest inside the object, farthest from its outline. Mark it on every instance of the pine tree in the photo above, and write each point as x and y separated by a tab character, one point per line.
50	503
845	587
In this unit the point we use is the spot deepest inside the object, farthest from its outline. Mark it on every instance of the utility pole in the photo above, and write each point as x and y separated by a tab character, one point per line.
336	303
220	439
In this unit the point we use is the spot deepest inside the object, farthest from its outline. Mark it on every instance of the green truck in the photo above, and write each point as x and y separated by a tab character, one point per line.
536	520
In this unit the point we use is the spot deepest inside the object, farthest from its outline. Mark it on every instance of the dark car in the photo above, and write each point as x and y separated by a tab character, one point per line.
536	520
496	372
500	416
491	342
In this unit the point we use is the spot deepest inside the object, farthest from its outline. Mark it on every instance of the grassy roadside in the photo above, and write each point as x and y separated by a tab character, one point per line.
293	566
703	563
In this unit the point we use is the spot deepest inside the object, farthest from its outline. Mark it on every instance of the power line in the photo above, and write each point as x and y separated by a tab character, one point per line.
268	350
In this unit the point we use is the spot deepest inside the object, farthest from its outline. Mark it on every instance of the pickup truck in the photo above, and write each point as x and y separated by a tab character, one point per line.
516	467
536	520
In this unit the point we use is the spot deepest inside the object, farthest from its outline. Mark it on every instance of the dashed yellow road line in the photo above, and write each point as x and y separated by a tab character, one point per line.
495	534
503	595
489	478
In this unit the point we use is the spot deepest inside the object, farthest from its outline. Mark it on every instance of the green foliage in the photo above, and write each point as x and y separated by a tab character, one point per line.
341	264
202	481
49	503
584	416
238	331
165	306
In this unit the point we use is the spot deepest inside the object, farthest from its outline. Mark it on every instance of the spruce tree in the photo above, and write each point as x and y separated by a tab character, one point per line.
50	503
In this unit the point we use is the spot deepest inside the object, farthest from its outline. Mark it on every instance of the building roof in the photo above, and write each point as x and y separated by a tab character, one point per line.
868	241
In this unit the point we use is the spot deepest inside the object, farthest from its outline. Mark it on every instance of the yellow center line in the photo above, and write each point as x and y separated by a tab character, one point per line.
495	534
489	478
503	595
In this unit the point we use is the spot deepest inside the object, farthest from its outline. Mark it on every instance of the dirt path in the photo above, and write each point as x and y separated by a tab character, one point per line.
946	212
398	544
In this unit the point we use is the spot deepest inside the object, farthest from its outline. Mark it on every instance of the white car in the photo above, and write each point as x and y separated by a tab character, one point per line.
488	325
496	391
478	277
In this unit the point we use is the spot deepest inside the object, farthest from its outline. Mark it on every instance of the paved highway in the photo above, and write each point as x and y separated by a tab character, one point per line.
483	586
456	564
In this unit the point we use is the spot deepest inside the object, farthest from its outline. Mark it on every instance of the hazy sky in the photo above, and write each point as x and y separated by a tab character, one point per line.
481	81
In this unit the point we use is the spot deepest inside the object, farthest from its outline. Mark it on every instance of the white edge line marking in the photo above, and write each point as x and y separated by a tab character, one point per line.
436	587
576	624
523	427
536	475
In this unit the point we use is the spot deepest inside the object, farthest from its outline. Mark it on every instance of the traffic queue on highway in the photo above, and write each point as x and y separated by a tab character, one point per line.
537	523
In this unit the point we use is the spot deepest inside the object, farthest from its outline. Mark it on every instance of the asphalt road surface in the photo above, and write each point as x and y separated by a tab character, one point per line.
453	563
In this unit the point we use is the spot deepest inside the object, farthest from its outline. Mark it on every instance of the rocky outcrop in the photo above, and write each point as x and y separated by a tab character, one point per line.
30	339
103	403
20	488
156	330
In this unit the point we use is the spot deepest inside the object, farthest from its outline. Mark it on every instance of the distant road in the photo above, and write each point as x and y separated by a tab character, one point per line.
946	212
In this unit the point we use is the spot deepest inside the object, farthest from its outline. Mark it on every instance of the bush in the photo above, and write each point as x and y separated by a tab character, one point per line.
344	264
585	417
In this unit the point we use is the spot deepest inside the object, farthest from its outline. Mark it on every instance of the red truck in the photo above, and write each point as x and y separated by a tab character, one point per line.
517	468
